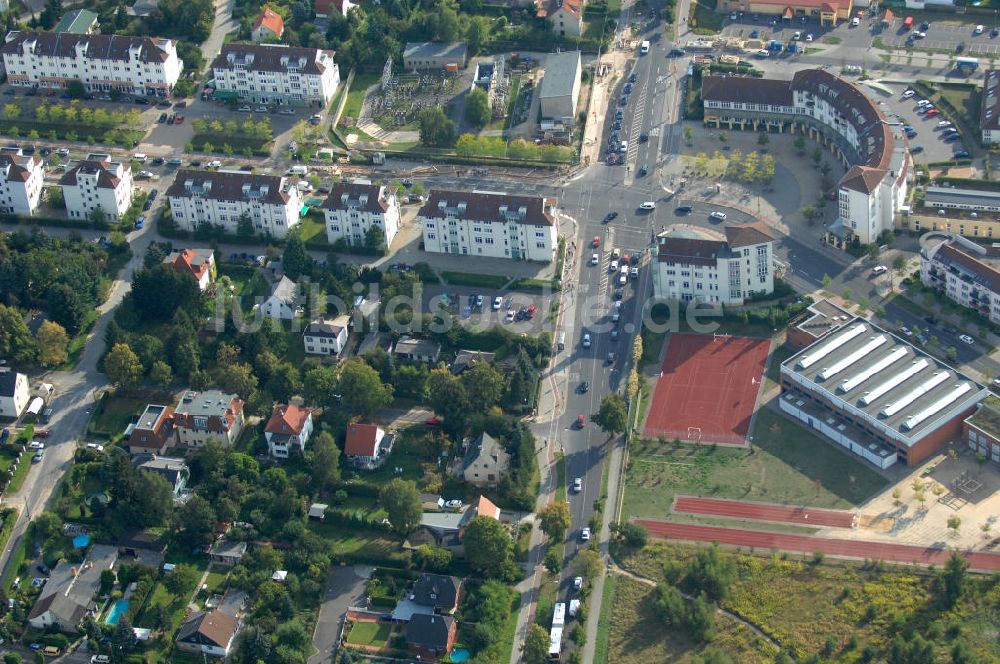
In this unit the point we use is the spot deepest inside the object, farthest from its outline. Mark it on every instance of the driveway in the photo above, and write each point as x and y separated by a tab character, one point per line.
344	589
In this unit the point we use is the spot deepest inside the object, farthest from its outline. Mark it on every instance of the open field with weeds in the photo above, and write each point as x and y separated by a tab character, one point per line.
800	604
788	464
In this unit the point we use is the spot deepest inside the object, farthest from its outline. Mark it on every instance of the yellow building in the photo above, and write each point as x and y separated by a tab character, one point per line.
827	12
959	225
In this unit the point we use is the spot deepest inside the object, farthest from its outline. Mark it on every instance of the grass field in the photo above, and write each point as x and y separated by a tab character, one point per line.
787	465
369	634
966	99
799	604
115	413
352	108
778	355
475	280
360	544
706	17
312	229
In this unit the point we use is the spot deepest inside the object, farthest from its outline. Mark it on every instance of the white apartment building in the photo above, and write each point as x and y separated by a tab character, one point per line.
221	198
97	182
489	224
205	416
989	113
131	65
693	265
835	113
966	272
276	74
353	209
325	336
20	182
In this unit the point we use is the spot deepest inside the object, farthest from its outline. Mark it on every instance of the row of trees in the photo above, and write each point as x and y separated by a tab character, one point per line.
751	167
75	114
260	130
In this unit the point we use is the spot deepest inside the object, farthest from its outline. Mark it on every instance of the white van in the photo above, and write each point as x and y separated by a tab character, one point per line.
140	157
648	205
644	48
299	169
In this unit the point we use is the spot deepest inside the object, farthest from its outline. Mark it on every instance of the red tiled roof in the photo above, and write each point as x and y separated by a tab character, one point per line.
361	439
287	419
189	260
485	507
270	20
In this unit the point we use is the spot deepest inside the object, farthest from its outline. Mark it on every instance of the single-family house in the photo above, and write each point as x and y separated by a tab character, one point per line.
367	445
14	393
485	461
437	591
199	263
268	26
326	8
283	303
68	595
417	350
430	636
225	552
445	529
212	633
143	547
325	336
290	426
173	469
466	359
154	432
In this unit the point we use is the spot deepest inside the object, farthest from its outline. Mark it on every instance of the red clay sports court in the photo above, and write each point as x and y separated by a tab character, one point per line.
745	509
707	390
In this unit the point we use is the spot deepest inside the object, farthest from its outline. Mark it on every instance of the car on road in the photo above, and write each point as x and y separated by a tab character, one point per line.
586	340
648	205
261	109
809	37
585	535
962	154
144	175
577	485
583	387
245	109
616	253
979	30
683	209
613	267
717	216
879	269
577	582
595	259
643	138
966	339
611	357
917	149
43	433
39	455
643	171
580	422
634	273
596	242
610	216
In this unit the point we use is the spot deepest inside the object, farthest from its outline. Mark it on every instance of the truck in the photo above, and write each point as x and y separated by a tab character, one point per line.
908	23
970	64
775	46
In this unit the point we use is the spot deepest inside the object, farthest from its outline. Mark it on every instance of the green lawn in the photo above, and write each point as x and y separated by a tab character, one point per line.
115	413
604	624
475	280
20	475
369	634
561	479
240	276
705	17
362	507
356	96
162	599
312	229
788	465
966	99
360	544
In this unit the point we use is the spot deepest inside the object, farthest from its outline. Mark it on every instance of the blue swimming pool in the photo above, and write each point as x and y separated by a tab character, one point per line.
116	612
459	655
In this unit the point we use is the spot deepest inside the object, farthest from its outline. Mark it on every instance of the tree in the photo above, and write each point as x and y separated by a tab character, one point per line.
320	386
53	343
612	414
709	573
701	619
817	155
536	645
296	260
477	108
157	293
670	607
196	519
488	546
484	386
688	134
953	578
123	640
555	520
161	374
401	500
182	580
763	139
634	535
448	398
362	389
800	144
553	560
436	128
11	658
122	366
154	500
16	341
324	462
68	307
433	558
589	563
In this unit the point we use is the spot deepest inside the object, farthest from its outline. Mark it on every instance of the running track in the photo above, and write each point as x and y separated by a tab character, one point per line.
860	549
740	509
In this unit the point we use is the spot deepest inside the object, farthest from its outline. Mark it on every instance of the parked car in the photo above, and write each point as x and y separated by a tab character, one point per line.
585	535
577	485
163	118
966	339
39	455
586	340
42	433
717	216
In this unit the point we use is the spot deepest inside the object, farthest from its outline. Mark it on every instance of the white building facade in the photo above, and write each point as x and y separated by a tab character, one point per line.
834	112
97	183
692	267
102	63
490	224
223	198
352	210
276	74
325	337
14	393
20	182
966	272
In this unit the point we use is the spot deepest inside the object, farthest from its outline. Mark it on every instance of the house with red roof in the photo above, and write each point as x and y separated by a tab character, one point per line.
367	445
268	26
566	15
199	263
290	426
325	8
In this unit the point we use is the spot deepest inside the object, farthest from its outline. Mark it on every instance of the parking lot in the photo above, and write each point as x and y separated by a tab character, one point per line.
945	36
521	313
929	136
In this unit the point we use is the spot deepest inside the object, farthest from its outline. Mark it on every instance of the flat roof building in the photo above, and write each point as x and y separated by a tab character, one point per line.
989	113
816	321
953	198
435	55
876	395
560	89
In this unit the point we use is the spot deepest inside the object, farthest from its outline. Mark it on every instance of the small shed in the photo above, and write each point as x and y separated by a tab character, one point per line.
317	511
